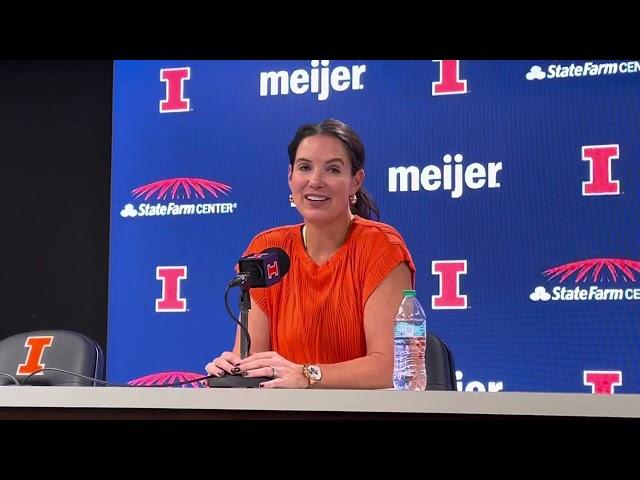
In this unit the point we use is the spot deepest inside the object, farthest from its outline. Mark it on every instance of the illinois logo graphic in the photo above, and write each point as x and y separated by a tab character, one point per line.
171	300
174	80
589	279
449	82
602	382
178	197
33	362
601	180
449	296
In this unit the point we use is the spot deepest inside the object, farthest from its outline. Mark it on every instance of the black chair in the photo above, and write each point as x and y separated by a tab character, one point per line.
441	371
23	353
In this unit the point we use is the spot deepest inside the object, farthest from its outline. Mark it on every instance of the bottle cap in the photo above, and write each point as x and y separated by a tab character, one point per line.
409	293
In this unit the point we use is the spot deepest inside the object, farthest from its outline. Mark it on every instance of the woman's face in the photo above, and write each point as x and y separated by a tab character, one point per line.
321	180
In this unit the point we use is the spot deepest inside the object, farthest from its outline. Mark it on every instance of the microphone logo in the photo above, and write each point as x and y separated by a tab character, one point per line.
273	270
260	270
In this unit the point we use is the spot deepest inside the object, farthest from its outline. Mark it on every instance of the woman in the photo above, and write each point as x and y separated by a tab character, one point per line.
329	322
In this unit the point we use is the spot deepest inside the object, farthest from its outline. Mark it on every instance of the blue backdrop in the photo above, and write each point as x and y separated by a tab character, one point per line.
479	164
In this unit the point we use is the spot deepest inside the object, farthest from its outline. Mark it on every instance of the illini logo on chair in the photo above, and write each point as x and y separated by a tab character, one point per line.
33	362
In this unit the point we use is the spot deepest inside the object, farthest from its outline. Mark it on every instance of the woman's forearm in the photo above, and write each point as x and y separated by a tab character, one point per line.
374	371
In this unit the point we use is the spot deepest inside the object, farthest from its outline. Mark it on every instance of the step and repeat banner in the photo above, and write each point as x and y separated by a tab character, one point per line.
514	184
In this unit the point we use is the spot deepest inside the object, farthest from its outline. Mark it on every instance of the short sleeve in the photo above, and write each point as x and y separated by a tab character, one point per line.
385	253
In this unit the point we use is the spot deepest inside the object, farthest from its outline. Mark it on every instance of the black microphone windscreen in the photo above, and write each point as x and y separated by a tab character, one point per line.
283	259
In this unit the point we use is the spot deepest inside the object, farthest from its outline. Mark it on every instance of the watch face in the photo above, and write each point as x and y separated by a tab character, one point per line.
314	372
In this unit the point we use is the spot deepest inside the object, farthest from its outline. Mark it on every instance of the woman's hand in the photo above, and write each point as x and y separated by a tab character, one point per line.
226	363
285	374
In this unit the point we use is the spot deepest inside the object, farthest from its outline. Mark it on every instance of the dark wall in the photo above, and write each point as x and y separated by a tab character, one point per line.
55	137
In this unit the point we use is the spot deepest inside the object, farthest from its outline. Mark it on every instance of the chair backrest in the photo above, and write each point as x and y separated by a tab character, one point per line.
441	370
23	353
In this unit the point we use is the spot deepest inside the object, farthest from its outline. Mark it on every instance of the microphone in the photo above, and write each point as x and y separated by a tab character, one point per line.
260	270
257	270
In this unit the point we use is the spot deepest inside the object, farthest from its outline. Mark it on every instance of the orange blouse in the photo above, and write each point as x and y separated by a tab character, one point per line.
316	312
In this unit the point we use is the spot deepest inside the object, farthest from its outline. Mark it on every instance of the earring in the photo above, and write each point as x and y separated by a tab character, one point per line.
353	199
291	199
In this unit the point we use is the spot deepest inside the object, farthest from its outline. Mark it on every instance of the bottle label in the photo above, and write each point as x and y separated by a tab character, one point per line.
405	329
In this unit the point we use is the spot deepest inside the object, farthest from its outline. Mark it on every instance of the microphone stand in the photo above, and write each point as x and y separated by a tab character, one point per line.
235	380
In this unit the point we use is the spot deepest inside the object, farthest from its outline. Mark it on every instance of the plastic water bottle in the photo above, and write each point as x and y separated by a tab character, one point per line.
410	341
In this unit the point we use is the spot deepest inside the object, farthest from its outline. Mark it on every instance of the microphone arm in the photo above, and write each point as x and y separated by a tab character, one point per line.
243	281
257	270
238	381
245	306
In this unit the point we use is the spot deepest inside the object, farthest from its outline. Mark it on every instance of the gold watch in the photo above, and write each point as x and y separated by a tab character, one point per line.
313	374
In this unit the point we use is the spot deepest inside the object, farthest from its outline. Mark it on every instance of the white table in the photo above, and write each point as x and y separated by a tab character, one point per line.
186	403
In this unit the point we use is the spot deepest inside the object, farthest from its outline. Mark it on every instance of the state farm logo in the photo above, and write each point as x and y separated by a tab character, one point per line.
601	181
586	69
174	99
449	82
184	191
594	270
320	81
453	176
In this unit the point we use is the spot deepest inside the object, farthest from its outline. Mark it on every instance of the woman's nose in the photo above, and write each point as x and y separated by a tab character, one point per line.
316	178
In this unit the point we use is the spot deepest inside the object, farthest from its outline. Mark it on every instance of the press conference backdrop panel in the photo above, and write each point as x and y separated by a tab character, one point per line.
514	184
